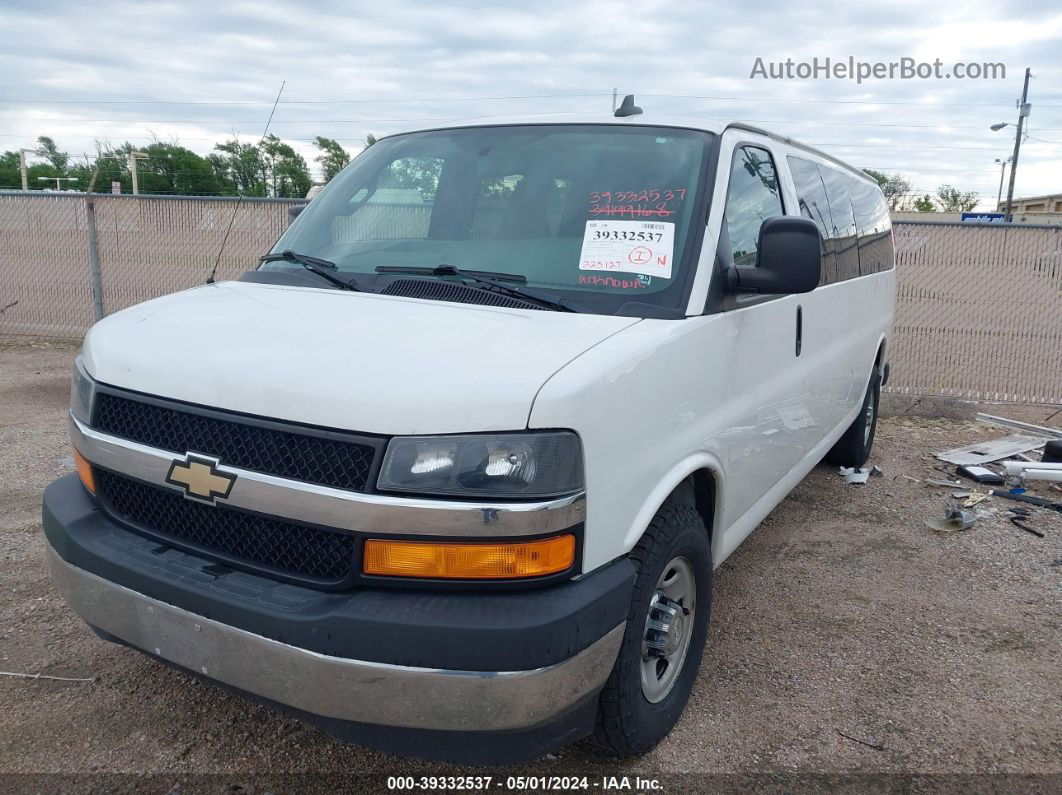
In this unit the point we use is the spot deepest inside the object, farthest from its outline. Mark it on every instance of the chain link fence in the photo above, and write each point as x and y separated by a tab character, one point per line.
978	312
147	246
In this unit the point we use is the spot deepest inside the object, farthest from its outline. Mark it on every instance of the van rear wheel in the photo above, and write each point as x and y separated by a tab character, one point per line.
667	626
853	449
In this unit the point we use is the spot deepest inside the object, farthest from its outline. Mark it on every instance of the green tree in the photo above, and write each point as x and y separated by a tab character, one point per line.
170	168
893	186
10	179
112	168
55	165
333	157
925	204
285	170
239	165
50	152
953	200
370	139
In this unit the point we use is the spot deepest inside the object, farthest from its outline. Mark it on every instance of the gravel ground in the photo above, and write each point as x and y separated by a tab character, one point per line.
847	641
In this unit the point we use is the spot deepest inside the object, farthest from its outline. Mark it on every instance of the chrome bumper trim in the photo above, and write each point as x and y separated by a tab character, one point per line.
347	510
335	687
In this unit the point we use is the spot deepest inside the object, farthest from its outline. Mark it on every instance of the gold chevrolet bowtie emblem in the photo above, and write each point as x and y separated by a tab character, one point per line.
200	478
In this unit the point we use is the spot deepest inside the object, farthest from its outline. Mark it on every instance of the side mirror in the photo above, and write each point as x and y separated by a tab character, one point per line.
788	260
293	212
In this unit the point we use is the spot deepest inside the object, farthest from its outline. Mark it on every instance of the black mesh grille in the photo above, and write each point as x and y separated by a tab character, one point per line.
453	291
309	553
289	454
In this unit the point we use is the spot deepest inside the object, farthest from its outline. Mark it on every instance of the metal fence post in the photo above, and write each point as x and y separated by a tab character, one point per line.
94	257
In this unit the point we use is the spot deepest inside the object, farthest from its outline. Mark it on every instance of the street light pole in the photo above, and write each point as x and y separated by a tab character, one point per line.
1002	170
22	166
133	157
1023	111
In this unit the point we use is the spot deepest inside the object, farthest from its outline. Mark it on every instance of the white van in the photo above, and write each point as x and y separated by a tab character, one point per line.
448	474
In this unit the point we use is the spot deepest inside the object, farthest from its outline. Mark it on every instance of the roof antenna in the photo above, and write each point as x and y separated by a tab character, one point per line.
627	107
239	199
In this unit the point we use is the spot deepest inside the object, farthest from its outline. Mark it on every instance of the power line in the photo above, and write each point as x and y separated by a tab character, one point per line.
292	101
370	121
438	99
842	101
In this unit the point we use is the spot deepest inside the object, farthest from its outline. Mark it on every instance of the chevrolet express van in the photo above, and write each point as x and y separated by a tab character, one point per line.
449	472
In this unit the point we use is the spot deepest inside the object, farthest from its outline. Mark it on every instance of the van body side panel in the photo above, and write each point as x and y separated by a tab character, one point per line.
644	402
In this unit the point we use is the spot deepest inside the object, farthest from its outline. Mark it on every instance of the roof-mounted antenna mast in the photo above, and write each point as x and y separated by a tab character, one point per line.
239	199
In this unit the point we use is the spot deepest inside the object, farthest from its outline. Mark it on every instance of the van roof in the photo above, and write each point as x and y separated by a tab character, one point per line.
640	120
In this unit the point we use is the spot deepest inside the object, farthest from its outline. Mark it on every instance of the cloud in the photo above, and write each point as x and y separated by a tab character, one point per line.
74	72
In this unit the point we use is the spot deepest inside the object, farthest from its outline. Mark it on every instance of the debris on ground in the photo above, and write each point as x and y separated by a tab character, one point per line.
952	522
993	449
1018	472
44	676
981	474
1003	422
1017	497
854	475
1053	452
951	484
875	746
1018	520
975	498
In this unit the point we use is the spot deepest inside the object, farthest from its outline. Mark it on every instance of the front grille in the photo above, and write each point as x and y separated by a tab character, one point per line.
455	292
312	554
262	446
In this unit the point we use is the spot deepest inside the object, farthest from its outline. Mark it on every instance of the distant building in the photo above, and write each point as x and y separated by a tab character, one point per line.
1035	204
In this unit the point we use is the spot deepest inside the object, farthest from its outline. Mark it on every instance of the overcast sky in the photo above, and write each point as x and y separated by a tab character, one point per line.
117	71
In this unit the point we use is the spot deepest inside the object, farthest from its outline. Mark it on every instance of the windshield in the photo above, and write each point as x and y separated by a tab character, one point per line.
600	215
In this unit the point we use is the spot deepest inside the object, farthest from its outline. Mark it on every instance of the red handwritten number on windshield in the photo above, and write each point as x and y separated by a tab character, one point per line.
640	255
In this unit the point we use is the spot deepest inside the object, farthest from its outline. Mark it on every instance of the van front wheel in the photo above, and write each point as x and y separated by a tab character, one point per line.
853	449
666	630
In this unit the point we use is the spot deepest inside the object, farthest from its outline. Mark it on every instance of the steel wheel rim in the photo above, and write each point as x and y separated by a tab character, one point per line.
668	629
868	421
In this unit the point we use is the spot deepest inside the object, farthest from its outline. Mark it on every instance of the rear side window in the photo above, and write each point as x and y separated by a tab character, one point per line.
843	243
811	194
752	198
872	222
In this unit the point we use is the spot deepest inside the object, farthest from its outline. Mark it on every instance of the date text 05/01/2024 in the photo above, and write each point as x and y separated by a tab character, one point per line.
523	783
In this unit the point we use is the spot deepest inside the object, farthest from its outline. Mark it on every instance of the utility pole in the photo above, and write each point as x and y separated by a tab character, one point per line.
22	166
133	157
1023	111
614	100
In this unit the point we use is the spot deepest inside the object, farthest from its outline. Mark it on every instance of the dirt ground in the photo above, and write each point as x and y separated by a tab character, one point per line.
849	644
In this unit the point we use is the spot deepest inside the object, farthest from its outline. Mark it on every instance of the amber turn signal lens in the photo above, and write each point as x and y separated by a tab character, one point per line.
469	561
84	471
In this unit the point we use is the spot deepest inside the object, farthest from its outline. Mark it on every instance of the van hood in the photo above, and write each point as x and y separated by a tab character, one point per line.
356	361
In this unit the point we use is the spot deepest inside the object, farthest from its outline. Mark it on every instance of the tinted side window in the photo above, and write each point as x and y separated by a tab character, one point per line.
872	221
814	205
752	198
843	235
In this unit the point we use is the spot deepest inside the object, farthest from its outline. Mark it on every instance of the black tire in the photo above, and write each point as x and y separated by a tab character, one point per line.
853	449
628	724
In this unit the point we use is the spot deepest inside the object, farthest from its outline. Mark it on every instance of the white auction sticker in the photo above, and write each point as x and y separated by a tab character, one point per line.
644	247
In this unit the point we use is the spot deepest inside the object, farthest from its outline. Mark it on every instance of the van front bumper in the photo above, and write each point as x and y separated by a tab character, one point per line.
437	674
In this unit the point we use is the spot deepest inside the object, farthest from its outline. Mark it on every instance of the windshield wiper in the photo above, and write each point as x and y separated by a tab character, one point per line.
450	270
315	265
495	280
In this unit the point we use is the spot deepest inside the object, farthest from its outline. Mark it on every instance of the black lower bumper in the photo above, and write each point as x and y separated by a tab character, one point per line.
449	631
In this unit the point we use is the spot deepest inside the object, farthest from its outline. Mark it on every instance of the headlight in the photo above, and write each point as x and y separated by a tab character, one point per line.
531	465
82	391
